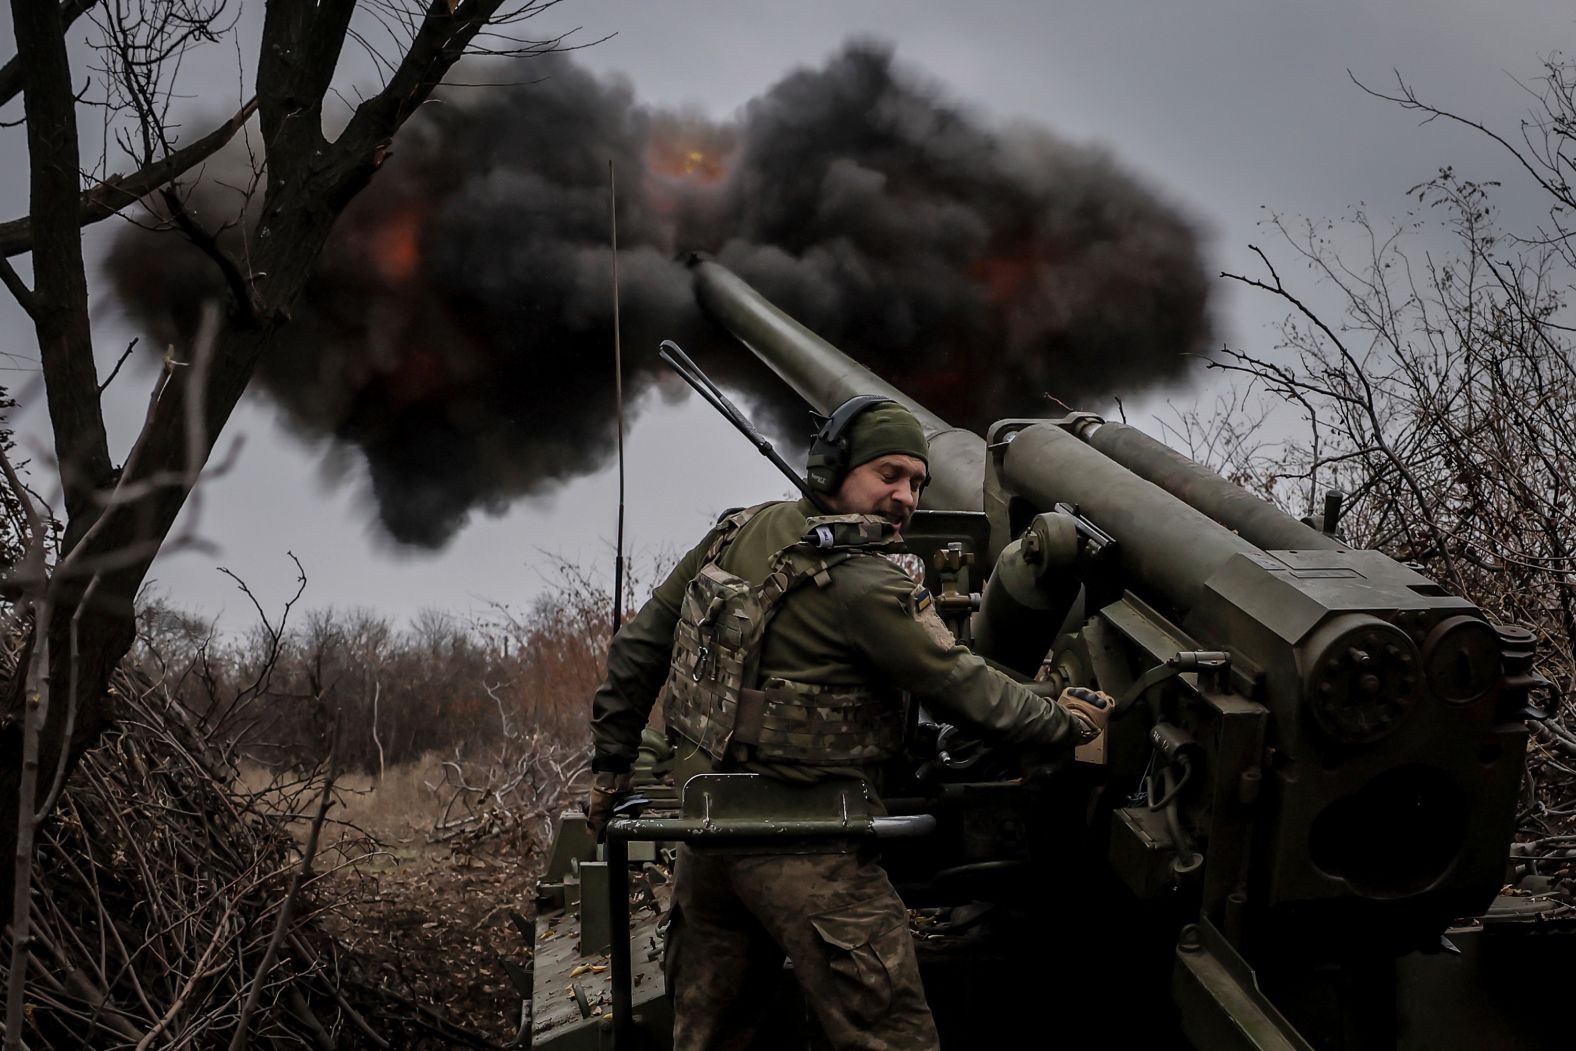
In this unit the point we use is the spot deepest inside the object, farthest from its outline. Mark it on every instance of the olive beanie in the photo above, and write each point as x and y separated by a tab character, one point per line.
883	431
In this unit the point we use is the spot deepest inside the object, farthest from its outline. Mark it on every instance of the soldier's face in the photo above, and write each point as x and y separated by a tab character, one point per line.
888	486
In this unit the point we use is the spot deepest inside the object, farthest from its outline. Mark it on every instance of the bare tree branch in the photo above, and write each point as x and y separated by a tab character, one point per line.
18	288
1366	401
287	909
240	284
1408	99
119	362
119	191
11	72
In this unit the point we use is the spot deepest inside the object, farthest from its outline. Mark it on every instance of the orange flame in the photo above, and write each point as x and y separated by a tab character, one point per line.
680	160
395	245
1009	275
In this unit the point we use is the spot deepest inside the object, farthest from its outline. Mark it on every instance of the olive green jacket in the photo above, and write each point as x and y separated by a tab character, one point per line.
861	630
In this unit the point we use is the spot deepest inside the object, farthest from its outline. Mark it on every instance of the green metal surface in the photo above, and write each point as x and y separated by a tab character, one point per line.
557	1021
1261	524
1223	1008
826	378
595	931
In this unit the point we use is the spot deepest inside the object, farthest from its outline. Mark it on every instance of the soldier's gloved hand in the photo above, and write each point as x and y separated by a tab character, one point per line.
1090	708
607	788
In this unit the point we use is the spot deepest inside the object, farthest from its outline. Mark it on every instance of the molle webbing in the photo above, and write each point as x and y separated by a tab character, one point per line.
716	652
710	647
818	724
730	529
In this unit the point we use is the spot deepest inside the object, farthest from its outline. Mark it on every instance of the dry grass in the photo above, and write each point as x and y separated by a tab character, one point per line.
403	803
397	813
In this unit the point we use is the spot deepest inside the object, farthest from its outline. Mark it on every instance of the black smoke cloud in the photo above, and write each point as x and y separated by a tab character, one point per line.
458	330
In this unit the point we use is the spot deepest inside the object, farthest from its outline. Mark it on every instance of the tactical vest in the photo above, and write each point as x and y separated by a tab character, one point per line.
714	699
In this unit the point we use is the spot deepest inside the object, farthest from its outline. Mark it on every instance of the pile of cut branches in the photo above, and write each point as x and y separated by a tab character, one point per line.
162	898
173	906
507	802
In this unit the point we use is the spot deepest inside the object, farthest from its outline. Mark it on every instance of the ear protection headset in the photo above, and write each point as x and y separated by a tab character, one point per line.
827	463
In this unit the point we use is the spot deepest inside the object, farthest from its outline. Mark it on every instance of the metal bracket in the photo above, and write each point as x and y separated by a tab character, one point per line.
1221	1004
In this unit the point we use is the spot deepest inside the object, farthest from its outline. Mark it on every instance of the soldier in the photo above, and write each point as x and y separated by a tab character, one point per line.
792	640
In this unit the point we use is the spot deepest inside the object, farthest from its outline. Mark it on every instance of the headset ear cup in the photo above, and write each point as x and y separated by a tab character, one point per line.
823	467
827	463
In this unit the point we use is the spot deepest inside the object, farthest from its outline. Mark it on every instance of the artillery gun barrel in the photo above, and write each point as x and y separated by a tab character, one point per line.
1255	520
826	377
1162	541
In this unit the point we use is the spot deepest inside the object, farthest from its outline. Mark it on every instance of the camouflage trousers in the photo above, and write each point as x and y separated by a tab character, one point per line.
836	916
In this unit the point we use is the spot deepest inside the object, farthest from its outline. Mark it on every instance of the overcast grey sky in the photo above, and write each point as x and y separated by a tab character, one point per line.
1227	106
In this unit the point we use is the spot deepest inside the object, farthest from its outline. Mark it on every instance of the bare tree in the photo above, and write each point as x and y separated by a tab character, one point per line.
116	518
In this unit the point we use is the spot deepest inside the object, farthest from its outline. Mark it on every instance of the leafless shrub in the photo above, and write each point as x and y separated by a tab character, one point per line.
508	800
503	790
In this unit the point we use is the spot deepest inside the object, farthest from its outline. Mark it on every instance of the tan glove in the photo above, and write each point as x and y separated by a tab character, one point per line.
607	788
1091	709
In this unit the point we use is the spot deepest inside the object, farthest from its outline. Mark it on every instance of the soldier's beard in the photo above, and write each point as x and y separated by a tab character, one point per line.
842	503
898	517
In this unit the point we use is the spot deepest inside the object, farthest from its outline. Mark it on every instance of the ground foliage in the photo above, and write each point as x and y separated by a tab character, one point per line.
440	928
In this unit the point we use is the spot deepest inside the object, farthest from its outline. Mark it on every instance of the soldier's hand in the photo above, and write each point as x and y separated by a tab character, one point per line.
607	788
1091	708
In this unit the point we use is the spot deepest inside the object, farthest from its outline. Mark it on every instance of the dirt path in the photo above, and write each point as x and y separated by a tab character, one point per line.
434	928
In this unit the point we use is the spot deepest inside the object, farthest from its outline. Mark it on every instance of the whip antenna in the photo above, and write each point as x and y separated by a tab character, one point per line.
671	353
618	394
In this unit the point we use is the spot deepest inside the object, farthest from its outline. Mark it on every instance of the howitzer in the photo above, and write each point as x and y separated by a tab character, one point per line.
1312	780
